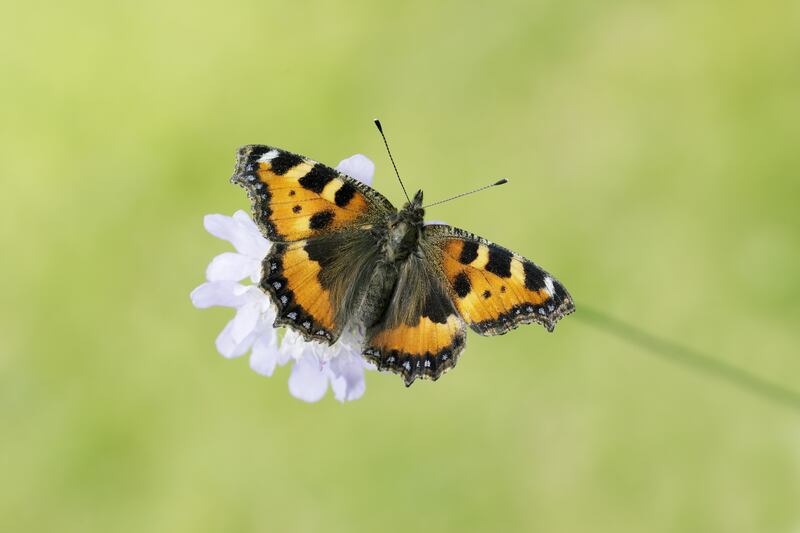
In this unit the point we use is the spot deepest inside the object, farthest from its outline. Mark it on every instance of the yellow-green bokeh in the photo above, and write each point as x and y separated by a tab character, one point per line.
653	154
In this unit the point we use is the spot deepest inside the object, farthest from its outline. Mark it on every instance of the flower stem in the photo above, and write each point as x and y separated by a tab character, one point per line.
688	357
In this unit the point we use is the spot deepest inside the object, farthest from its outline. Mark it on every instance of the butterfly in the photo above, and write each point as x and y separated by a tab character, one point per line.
343	256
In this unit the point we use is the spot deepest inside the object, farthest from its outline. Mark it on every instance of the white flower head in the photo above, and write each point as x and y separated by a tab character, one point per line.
316	365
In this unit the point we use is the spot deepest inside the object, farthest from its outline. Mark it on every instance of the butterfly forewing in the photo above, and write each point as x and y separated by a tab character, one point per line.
295	198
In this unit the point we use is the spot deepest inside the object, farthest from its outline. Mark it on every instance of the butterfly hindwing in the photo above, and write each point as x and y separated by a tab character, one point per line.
295	198
421	334
290	277
494	289
314	282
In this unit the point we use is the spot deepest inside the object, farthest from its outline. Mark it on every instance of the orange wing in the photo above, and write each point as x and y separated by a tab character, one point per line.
295	198
494	289
309	281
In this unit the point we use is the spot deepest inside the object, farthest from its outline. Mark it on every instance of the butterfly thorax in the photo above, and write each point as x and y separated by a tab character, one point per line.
402	237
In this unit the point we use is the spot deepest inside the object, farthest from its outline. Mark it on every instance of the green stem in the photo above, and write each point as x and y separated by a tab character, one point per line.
690	358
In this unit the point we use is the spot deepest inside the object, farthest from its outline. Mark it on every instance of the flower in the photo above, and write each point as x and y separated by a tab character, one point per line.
316	365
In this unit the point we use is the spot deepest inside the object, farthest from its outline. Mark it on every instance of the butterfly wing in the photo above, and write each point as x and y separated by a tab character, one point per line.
315	282
295	198
319	222
421	334
494	289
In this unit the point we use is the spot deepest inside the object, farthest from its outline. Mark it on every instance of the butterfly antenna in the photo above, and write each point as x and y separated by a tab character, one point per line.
495	184
380	129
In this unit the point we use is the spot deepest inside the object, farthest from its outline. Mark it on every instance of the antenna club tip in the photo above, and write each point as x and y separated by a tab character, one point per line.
501	182
378	124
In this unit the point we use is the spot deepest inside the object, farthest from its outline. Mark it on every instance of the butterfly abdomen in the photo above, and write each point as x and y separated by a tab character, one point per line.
377	296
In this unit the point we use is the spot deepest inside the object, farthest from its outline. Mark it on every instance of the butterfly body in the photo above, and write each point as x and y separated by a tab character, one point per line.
404	230
344	257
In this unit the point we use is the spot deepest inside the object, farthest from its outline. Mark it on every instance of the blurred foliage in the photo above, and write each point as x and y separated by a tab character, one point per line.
653	153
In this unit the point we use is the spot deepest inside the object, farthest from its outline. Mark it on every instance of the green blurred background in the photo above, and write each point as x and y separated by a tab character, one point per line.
653	153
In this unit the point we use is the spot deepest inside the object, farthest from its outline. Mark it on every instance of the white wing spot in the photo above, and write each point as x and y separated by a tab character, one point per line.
548	282
269	156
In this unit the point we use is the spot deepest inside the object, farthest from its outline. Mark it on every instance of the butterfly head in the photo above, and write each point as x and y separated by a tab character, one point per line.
412	212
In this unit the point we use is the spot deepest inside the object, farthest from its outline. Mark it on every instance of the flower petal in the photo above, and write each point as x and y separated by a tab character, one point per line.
238	230
294	346
229	266
265	356
228	347
347	378
359	167
243	219
244	323
223	293
221	226
308	380
253	243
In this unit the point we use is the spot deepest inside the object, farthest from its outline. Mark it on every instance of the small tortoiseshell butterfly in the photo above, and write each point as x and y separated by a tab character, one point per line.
343	255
